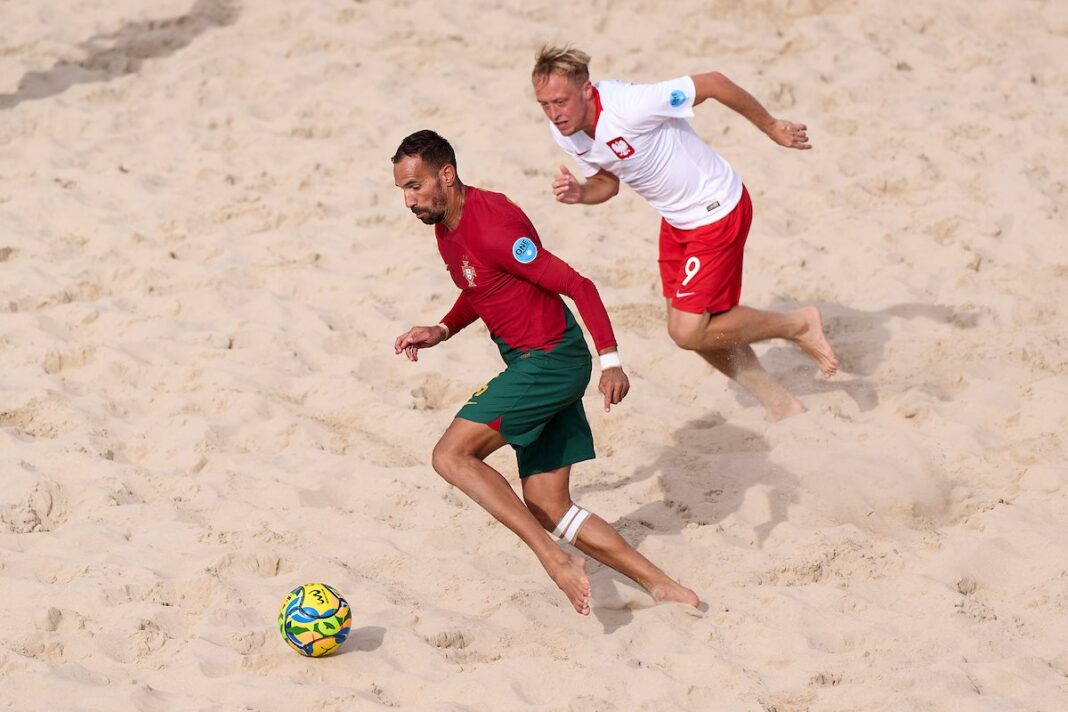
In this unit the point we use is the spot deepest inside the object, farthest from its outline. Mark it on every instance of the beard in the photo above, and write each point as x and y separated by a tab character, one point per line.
435	213
429	217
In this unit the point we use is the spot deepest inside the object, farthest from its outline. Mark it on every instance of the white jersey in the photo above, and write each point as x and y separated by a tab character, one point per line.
642	137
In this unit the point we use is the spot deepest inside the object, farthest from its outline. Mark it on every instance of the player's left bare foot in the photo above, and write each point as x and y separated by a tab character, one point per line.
569	573
814	342
787	408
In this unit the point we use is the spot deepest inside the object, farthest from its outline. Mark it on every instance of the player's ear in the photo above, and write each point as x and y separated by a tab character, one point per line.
587	90
447	175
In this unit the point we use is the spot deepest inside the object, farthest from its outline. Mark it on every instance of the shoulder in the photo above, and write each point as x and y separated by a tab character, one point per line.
497	204
498	219
616	94
623	101
645	106
613	88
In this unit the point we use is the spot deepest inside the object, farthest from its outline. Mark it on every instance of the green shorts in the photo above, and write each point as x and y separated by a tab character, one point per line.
536	403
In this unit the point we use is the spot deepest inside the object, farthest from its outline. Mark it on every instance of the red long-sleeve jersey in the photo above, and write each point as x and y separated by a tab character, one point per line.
509	280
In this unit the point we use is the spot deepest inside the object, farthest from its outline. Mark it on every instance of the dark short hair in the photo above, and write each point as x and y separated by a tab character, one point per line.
429	146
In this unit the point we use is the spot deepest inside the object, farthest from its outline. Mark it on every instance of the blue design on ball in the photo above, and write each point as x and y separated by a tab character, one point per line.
678	98
524	250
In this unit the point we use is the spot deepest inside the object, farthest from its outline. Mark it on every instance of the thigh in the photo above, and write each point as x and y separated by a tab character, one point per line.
709	276
465	437
710	279
686	324
564	439
503	404
525	398
672	250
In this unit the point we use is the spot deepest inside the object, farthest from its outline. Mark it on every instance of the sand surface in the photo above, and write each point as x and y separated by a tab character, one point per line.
204	264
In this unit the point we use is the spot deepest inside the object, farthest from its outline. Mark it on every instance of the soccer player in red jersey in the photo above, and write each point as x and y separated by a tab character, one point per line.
638	133
509	280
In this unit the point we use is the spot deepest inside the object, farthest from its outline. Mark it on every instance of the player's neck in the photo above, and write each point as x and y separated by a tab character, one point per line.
454	206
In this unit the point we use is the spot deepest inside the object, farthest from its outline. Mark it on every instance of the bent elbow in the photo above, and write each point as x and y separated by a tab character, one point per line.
580	286
713	77
709	85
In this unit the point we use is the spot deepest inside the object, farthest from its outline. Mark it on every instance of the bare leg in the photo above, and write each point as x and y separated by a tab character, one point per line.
458	459
743	325
548	497
741	365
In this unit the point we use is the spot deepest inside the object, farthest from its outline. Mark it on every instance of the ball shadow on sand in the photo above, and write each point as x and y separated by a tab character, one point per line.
362	640
124	51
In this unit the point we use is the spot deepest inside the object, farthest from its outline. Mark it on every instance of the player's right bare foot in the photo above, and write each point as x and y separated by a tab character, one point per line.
570	575
814	342
672	591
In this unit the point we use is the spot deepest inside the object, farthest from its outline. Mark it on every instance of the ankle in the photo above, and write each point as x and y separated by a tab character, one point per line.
798	324
553	557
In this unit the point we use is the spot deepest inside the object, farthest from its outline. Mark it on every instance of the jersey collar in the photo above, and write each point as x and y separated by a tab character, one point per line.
596	111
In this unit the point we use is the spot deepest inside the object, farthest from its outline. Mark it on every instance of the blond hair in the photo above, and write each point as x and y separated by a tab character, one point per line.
566	61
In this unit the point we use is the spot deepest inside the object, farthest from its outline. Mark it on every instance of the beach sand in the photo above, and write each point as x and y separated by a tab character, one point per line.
204	263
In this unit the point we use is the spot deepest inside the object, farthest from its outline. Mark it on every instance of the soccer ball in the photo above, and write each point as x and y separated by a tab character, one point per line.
314	619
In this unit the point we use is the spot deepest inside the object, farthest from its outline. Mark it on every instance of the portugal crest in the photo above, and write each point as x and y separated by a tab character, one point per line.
469	272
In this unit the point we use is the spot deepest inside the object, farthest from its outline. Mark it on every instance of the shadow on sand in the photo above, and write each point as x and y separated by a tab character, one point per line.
702	487
860	339
362	640
123	52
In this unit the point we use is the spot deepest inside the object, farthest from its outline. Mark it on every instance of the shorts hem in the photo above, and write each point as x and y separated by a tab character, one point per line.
538	470
707	309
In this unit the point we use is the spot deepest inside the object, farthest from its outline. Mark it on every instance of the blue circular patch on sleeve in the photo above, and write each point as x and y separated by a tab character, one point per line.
678	98
524	250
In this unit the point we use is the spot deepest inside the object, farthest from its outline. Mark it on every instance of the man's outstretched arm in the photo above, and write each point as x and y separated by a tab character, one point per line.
713	85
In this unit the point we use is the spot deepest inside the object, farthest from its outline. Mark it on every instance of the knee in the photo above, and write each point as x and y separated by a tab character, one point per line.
685	336
445	461
547	510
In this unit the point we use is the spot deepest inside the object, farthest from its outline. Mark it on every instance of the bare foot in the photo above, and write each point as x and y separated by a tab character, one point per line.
674	592
785	409
814	342
570	575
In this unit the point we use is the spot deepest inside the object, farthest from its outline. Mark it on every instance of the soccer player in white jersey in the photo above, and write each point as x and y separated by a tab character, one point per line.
638	134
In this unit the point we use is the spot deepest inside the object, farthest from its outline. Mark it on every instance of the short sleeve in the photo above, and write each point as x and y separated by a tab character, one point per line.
643	107
588	169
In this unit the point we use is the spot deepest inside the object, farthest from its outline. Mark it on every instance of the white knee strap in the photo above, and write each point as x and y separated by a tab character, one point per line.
568	526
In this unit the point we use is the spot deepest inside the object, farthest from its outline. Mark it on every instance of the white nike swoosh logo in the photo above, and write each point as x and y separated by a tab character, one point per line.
680	295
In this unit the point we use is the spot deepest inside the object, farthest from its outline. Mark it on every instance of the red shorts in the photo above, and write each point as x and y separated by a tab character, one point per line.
701	269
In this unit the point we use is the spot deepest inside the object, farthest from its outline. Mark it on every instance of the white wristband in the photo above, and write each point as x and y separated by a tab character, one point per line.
442	325
611	360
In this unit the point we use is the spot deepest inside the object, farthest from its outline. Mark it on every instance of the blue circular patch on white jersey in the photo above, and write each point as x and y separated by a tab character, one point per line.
524	250
678	98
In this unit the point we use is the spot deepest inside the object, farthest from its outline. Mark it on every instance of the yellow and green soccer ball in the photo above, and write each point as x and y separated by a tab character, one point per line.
314	619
